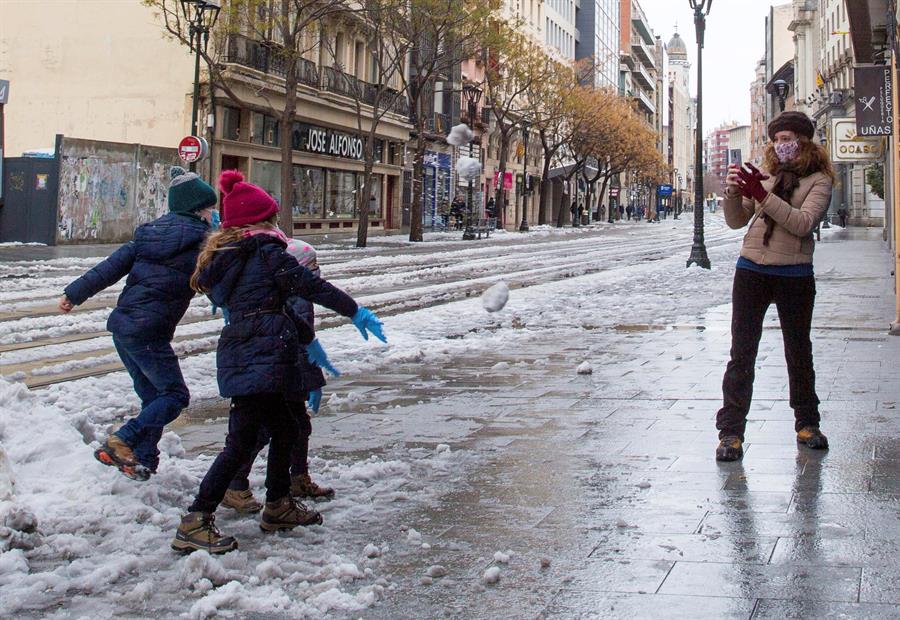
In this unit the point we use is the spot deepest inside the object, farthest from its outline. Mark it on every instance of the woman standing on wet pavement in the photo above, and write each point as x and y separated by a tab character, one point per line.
775	265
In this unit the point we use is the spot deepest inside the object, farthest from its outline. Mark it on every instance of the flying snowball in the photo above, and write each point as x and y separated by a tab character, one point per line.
495	298
468	168
459	135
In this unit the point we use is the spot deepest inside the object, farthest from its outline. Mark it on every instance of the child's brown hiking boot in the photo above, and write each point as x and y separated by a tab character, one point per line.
303	486
197	532
286	514
241	501
116	453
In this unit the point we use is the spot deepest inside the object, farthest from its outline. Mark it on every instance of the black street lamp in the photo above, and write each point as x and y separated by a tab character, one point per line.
781	91
523	227
201	16
472	95
698	249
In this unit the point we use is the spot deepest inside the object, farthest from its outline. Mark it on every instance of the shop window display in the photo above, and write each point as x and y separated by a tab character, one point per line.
341	191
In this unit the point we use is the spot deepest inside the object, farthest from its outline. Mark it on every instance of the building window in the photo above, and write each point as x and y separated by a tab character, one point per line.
341	195
309	192
231	123
264	129
267	175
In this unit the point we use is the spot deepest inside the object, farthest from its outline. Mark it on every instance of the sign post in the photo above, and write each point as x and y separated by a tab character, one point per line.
4	97
192	149
874	92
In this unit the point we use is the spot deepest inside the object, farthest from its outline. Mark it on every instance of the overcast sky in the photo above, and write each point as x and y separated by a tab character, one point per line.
735	41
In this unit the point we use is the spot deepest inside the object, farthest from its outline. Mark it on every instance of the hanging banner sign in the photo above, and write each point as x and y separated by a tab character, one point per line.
874	92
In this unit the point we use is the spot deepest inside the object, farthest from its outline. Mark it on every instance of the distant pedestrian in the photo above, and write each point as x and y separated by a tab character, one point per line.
621	211
775	265
158	263
573	209
629	211
842	215
581	213
458	210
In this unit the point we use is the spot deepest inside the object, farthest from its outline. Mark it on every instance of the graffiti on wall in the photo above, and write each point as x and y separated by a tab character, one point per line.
107	189
91	191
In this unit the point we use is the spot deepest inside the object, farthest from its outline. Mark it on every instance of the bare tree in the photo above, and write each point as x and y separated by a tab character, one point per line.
378	93
442	34
512	68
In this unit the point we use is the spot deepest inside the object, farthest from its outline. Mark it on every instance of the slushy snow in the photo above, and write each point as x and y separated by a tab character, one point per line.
585	368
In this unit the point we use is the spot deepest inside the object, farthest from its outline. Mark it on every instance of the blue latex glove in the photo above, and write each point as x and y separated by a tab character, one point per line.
316	355
315	400
365	319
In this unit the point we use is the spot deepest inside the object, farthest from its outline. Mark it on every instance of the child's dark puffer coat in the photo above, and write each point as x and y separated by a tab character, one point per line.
159	263
258	350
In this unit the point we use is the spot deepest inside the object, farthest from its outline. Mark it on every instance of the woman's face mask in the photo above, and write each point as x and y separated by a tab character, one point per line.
786	151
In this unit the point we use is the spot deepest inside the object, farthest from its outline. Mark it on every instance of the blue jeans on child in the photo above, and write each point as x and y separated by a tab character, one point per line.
158	382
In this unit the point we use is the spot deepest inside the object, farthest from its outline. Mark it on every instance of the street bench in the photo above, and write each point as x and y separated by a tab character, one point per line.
484	227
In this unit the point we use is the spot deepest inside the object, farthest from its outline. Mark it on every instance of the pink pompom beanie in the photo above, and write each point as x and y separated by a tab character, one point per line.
243	203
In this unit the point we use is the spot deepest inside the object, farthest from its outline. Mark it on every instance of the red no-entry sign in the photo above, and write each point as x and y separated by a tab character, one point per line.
192	149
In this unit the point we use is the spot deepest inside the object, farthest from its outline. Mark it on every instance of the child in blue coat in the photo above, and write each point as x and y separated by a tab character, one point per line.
239	496
245	267
159	262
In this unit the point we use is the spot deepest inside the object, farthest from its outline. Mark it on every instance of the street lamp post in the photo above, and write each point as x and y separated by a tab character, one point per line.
698	249
201	15
523	227
676	181
472	95
781	91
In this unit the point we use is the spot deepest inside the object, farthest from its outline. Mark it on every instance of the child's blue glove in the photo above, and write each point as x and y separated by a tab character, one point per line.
215	220
365	319
315	400
316	355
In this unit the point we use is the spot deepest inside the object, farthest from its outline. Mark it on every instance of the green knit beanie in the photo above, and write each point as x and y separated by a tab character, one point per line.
188	192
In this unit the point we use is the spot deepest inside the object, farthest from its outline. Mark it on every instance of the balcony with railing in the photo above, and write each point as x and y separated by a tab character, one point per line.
643	52
267	57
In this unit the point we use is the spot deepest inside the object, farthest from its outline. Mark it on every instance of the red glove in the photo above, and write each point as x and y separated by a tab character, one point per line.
751	183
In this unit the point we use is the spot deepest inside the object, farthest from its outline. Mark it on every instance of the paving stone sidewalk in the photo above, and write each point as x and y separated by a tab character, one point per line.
604	488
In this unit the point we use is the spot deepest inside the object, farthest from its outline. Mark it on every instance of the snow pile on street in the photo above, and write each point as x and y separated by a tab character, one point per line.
585	368
78	534
494	298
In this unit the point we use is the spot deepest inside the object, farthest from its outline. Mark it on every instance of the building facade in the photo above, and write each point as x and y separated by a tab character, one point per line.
638	68
86	85
598	40
717	153
682	117
758	119
559	29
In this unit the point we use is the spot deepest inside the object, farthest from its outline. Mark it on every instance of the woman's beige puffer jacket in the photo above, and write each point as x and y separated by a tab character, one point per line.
791	242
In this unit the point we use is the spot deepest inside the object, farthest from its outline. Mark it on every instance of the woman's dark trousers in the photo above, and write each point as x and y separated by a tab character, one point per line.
249	415
794	298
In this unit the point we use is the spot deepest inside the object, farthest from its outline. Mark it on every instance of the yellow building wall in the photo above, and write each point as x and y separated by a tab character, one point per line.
96	69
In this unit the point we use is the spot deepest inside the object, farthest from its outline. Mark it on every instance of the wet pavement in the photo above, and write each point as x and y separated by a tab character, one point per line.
597	496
